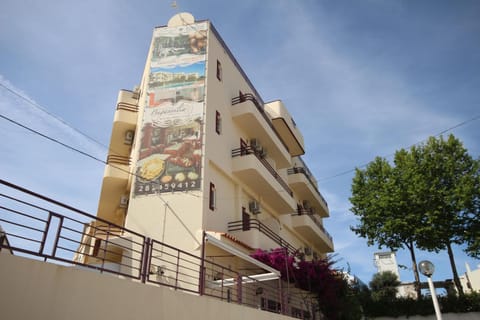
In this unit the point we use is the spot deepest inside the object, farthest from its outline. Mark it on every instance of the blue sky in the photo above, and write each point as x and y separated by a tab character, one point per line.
360	78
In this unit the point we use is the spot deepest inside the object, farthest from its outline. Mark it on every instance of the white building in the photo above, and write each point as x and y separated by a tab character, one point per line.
471	279
387	261
201	163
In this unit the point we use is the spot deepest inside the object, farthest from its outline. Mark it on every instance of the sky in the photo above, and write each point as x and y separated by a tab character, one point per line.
361	79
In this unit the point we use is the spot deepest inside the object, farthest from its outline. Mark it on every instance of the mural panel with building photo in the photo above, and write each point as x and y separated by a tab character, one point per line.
171	150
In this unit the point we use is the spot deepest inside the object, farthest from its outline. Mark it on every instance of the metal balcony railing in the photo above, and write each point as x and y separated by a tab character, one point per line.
258	225
306	212
36	226
309	176
245	151
127	106
116	159
250	97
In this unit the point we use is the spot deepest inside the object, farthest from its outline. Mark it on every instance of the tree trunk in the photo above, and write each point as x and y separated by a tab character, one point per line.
456	280
411	248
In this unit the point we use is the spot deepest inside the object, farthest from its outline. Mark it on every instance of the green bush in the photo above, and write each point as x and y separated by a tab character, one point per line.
423	306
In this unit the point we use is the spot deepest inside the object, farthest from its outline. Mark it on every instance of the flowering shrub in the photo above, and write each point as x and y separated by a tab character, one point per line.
277	259
316	276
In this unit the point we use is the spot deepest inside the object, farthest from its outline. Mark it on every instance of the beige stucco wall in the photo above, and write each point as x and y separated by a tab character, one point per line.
37	290
232	195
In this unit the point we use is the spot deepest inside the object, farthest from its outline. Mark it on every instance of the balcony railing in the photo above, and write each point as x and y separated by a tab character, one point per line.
116	159
309	176
256	224
302	211
127	106
244	151
250	97
33	227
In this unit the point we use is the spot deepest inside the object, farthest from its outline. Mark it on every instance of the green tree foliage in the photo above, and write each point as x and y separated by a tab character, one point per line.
383	286
381	197
449	189
430	199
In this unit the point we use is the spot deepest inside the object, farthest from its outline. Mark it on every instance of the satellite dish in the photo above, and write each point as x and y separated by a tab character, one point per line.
181	19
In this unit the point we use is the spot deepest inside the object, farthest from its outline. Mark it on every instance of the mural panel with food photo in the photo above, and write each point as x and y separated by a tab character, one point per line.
171	150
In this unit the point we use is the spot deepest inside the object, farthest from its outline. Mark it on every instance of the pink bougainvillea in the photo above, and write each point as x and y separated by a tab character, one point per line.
316	276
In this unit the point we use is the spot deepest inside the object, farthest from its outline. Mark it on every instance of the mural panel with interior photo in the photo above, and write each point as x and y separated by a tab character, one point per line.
171	150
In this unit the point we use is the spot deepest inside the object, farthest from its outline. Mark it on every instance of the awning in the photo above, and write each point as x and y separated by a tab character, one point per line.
272	273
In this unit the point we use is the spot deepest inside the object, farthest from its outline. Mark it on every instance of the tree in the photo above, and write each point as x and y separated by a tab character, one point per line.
472	236
428	199
449	189
381	198
384	285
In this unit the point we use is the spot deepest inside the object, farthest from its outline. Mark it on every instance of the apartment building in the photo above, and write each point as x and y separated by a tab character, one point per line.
198	160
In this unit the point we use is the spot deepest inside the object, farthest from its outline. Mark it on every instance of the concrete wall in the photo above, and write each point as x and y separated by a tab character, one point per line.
37	290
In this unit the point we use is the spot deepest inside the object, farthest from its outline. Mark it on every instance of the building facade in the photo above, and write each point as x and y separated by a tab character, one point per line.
195	154
470	279
387	261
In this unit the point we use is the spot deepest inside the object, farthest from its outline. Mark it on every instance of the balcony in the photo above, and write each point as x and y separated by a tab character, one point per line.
257	235
249	115
301	181
116	184
256	173
118	167
310	227
285	127
124	124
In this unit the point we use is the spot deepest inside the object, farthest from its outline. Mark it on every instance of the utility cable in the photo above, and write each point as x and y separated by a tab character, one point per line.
39	107
477	117
52	139
99	160
36	105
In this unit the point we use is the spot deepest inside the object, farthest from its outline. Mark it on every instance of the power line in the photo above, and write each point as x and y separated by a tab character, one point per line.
392	154
44	110
52	139
99	160
39	107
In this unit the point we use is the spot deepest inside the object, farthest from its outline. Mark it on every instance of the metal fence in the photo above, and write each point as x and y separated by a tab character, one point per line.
41	228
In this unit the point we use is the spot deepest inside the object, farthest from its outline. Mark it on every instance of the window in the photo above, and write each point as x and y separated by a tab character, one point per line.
218	123
219	71
212	201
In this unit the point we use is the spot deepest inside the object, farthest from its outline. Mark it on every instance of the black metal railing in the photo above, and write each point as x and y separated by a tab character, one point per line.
258	225
250	97
39	227
312	216
127	106
309	176
248	150
40	230
116	159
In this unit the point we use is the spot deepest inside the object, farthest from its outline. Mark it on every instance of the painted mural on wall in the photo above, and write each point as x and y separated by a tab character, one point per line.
171	149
